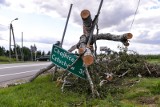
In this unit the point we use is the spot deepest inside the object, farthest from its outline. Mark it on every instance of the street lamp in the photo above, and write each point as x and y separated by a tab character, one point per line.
14	20
11	31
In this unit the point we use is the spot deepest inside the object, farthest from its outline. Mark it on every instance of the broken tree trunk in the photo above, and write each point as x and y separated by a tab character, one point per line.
88	57
107	36
41	71
87	39
87	21
94	91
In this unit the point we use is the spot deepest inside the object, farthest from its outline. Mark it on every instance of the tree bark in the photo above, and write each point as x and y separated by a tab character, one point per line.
88	57
87	21
107	36
94	91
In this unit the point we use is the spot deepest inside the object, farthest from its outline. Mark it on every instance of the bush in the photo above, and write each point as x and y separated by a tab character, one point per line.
5	59
152	56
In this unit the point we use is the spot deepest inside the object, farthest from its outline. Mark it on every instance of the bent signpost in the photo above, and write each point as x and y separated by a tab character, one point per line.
63	59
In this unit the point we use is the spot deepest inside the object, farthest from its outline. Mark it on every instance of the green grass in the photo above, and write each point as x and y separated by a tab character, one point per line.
5	60
154	61
44	93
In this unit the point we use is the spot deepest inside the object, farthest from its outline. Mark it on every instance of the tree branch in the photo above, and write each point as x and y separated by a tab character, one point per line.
41	71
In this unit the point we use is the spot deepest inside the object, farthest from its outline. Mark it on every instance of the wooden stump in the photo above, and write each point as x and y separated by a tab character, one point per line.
87	21
88	57
126	37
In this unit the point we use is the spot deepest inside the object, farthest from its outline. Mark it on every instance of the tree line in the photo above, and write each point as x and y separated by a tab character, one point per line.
26	53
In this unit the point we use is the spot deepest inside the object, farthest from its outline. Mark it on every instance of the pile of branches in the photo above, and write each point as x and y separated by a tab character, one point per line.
109	70
127	63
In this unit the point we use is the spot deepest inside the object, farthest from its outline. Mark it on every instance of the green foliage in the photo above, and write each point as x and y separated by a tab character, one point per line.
130	62
152	56
44	93
26	53
2	51
120	65
155	89
39	54
6	59
43	53
40	93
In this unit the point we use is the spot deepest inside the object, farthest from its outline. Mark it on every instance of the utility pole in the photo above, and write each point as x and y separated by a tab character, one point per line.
12	33
22	55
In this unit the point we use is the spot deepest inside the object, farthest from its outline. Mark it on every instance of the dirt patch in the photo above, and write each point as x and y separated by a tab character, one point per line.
13	82
148	100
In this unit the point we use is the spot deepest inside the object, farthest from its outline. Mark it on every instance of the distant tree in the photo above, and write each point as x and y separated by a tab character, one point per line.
19	51
49	52
26	53
2	51
43	53
39	53
7	53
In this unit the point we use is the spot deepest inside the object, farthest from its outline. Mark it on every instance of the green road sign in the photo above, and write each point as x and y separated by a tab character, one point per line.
63	59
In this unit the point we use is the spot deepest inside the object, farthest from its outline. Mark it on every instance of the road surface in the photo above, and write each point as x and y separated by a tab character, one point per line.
14	71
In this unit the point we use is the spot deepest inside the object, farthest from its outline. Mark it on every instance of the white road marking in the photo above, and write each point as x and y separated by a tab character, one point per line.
22	66
17	73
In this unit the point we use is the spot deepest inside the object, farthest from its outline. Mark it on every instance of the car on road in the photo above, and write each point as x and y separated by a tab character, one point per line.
43	58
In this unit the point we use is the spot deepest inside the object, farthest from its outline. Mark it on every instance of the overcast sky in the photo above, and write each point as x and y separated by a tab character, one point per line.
42	22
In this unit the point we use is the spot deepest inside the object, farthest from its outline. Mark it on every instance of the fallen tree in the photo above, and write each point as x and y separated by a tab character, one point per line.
99	69
85	46
111	69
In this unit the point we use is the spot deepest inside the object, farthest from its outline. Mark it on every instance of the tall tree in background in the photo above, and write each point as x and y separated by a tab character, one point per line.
27	53
19	50
7	53
49	52
39	53
43	53
2	51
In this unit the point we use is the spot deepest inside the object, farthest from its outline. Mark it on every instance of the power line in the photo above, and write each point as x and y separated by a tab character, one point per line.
135	15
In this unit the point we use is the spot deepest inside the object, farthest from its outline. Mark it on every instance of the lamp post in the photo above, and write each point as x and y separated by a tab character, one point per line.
12	32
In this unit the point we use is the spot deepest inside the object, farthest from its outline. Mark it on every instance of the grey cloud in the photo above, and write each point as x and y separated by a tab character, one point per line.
48	6
21	5
149	21
112	14
149	41
1	37
115	16
46	40
4	2
3	28
144	38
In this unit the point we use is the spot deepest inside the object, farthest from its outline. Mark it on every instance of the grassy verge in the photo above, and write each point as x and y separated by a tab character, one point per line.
154	61
6	60
44	93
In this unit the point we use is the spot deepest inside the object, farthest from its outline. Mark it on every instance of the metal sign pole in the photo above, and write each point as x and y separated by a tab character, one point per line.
66	25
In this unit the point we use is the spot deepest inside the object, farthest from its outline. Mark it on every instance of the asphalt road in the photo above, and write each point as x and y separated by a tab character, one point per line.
10	72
